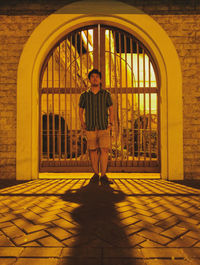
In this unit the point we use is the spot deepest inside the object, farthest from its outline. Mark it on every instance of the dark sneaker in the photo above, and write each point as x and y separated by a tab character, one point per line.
95	179
105	180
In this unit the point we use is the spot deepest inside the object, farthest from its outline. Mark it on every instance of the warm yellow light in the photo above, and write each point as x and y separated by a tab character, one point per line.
86	40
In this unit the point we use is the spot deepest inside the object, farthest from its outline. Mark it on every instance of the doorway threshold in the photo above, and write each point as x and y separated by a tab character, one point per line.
88	175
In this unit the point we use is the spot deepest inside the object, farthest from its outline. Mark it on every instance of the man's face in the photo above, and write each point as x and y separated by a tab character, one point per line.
95	79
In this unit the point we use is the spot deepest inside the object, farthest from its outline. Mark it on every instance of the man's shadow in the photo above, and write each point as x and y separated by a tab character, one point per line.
98	225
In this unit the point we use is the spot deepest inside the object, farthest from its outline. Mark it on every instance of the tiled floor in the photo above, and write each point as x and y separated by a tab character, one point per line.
72	222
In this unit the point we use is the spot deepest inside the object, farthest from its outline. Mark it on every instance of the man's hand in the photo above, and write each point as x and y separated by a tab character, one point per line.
83	125
110	125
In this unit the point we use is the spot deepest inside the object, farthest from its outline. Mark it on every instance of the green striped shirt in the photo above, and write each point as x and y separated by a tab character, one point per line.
96	108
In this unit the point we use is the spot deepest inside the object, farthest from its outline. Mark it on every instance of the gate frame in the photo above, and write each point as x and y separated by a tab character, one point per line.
148	31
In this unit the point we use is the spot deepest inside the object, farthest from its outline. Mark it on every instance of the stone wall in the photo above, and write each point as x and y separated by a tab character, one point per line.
17	22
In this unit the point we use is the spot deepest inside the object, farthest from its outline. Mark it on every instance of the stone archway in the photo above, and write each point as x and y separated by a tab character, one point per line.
137	23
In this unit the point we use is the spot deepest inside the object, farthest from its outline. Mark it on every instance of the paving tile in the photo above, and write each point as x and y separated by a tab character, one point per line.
194	234
135	240
47	218
154	237
189	226
150	244
79	261
30	215
13	231
98	243
131	229
5	241
7	261
85	252
59	233
31	244
50	241
64	224
37	210
163	253
169	222
149	227
4	209
10	251
27	226
122	253
30	237
41	252
124	261
37	261
129	221
183	241
193	252
169	262
7	217
174	231
5	224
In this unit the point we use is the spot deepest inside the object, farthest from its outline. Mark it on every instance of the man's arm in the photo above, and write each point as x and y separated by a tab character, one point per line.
83	125
111	114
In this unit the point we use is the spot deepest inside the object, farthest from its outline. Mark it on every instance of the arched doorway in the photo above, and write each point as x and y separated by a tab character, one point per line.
57	25
128	72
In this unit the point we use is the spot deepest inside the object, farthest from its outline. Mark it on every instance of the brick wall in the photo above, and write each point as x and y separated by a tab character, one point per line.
184	31
18	22
14	32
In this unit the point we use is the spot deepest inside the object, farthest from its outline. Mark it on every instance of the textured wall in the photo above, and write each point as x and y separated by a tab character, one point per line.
17	22
184	31
14	32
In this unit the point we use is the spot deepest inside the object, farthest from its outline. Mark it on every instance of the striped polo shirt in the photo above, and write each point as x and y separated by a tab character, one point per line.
96	108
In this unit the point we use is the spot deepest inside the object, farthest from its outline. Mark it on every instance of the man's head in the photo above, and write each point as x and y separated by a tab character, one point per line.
95	77
94	71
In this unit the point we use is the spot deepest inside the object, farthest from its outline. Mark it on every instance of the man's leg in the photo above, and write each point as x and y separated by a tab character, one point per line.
94	157
104	160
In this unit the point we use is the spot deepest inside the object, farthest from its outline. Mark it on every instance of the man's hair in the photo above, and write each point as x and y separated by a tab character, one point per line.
94	71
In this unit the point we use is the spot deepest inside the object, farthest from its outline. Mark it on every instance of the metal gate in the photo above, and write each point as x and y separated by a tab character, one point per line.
128	72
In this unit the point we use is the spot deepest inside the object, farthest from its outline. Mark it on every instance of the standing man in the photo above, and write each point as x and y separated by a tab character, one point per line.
97	102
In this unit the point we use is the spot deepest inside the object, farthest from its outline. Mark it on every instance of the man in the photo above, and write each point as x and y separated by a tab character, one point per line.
97	102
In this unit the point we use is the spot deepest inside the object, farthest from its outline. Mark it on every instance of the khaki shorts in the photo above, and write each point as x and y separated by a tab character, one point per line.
98	139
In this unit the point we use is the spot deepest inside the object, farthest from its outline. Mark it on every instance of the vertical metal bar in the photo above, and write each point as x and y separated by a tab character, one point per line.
53	117
59	117
70	96
138	69
99	47
102	60
120	52
48	111
157	127
144	119
87	58
87	78
76	116
41	125
110	66
81	74
116	93
149	112
66	136
96	48
132	107
126	76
